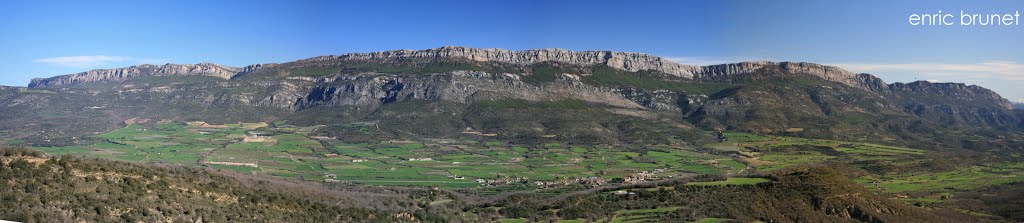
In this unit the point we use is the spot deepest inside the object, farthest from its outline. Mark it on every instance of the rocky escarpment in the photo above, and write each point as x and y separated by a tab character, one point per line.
620	60
252	68
950	91
768	97
921	98
826	72
948	103
372	90
953	103
120	74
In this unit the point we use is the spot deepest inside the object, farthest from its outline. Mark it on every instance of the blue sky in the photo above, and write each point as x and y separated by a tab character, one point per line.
47	38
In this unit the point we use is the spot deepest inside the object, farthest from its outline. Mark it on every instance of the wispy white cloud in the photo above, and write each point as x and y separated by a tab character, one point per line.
1006	70
97	61
80	61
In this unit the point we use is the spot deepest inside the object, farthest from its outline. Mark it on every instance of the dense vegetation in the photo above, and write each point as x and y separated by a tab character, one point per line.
65	188
38	188
468	166
798	195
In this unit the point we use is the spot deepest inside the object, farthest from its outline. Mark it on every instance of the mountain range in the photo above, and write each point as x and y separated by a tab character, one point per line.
456	134
522	96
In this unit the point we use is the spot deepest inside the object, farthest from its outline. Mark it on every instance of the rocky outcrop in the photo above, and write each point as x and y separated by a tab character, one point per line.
851	105
372	90
826	72
953	103
468	82
620	60
120	74
252	68
951	91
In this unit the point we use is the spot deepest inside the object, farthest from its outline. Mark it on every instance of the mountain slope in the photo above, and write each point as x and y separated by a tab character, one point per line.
617	98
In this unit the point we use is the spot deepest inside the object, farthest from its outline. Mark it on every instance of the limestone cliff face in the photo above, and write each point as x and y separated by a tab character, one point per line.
358	90
952	103
850	103
826	72
619	60
252	68
120	74
951	91
372	90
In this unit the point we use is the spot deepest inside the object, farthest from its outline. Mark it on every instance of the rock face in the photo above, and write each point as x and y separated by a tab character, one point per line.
951	91
120	74
829	73
952	103
328	92
620	60
372	90
824	100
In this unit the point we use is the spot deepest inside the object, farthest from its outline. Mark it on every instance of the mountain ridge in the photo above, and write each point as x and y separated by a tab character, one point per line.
627	61
403	87
124	73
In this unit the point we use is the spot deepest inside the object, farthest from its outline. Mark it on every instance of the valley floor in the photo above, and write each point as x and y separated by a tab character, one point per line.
481	166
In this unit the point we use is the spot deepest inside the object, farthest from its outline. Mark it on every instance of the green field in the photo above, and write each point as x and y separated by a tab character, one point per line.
767	153
963	179
491	167
294	151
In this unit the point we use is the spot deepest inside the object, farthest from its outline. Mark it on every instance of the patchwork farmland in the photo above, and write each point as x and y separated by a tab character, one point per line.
487	166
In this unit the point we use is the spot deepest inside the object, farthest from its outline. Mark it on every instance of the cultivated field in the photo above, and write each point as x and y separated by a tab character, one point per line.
292	151
489	166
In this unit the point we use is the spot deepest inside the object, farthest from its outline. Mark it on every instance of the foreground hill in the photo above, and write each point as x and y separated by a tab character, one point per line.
815	194
38	188
521	96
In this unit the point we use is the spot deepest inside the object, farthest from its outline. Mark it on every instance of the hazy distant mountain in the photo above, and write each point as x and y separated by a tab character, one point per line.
601	96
